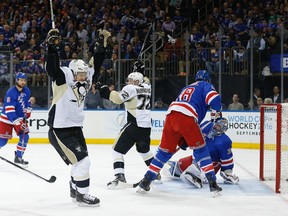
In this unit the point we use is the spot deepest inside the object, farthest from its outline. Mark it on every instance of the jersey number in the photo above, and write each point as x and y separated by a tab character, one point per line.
186	94
144	102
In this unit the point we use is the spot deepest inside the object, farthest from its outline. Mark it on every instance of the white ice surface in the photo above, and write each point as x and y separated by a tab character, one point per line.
22	194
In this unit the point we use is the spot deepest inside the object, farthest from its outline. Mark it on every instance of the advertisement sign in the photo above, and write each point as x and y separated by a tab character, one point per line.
275	63
103	126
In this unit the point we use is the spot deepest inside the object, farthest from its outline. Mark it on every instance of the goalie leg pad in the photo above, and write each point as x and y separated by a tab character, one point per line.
174	168
228	177
193	176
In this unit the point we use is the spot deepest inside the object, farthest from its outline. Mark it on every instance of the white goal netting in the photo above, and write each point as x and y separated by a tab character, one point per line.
274	145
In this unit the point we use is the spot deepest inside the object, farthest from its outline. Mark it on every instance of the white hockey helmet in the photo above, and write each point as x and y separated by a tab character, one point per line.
135	78
78	66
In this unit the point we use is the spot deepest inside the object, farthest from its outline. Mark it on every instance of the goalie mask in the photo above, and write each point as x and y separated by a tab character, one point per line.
79	67
219	127
135	78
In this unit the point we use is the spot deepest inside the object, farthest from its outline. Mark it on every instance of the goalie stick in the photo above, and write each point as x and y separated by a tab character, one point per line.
51	180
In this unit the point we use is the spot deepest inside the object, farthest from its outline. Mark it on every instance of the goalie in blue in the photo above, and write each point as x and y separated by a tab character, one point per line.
220	149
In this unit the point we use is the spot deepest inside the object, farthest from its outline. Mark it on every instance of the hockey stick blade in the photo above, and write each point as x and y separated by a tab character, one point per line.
127	185
51	180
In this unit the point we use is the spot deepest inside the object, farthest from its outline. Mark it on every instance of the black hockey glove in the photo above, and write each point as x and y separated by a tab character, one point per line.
53	36
104	92
138	66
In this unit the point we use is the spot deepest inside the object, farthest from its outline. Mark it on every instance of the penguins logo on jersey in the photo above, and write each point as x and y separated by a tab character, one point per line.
80	90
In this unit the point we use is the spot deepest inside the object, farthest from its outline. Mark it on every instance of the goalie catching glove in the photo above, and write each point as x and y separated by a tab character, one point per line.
53	36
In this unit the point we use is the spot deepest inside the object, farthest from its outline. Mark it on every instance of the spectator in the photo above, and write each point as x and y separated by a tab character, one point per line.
236	105
66	53
199	57
1	103
33	103
212	66
173	54
4	72
196	37
256	94
168	26
268	101
259	103
160	105
276	97
3	42
93	100
20	36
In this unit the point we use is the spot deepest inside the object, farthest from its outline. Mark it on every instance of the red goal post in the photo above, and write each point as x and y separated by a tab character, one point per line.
274	145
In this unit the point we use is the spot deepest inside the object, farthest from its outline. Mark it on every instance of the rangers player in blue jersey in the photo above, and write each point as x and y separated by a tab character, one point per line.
220	149
182	123
16	110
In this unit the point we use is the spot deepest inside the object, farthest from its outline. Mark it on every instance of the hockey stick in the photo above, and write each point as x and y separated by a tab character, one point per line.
128	185
23	137
51	180
52	14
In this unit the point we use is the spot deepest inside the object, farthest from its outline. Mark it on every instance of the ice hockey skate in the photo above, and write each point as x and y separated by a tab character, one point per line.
120	177
87	200
20	161
144	185
72	192
228	177
215	189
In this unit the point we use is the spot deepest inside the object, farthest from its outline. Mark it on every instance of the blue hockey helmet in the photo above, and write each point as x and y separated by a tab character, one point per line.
219	127
21	75
202	75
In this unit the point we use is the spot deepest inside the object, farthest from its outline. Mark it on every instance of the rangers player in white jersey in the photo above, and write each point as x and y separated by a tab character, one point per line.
66	115
136	97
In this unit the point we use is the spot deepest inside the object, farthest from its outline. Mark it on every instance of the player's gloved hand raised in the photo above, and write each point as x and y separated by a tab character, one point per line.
20	126
138	66
53	36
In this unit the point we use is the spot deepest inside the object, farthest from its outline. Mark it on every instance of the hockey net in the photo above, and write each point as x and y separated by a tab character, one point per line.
274	145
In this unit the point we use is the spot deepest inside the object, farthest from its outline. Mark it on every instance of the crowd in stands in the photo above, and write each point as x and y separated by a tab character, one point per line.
24	25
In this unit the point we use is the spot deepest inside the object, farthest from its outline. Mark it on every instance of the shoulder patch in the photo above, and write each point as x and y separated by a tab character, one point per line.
8	99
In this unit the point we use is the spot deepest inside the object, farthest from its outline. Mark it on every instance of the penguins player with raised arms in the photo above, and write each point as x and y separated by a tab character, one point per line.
70	86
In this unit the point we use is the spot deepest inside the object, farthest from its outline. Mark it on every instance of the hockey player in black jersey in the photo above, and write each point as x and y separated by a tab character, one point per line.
66	115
